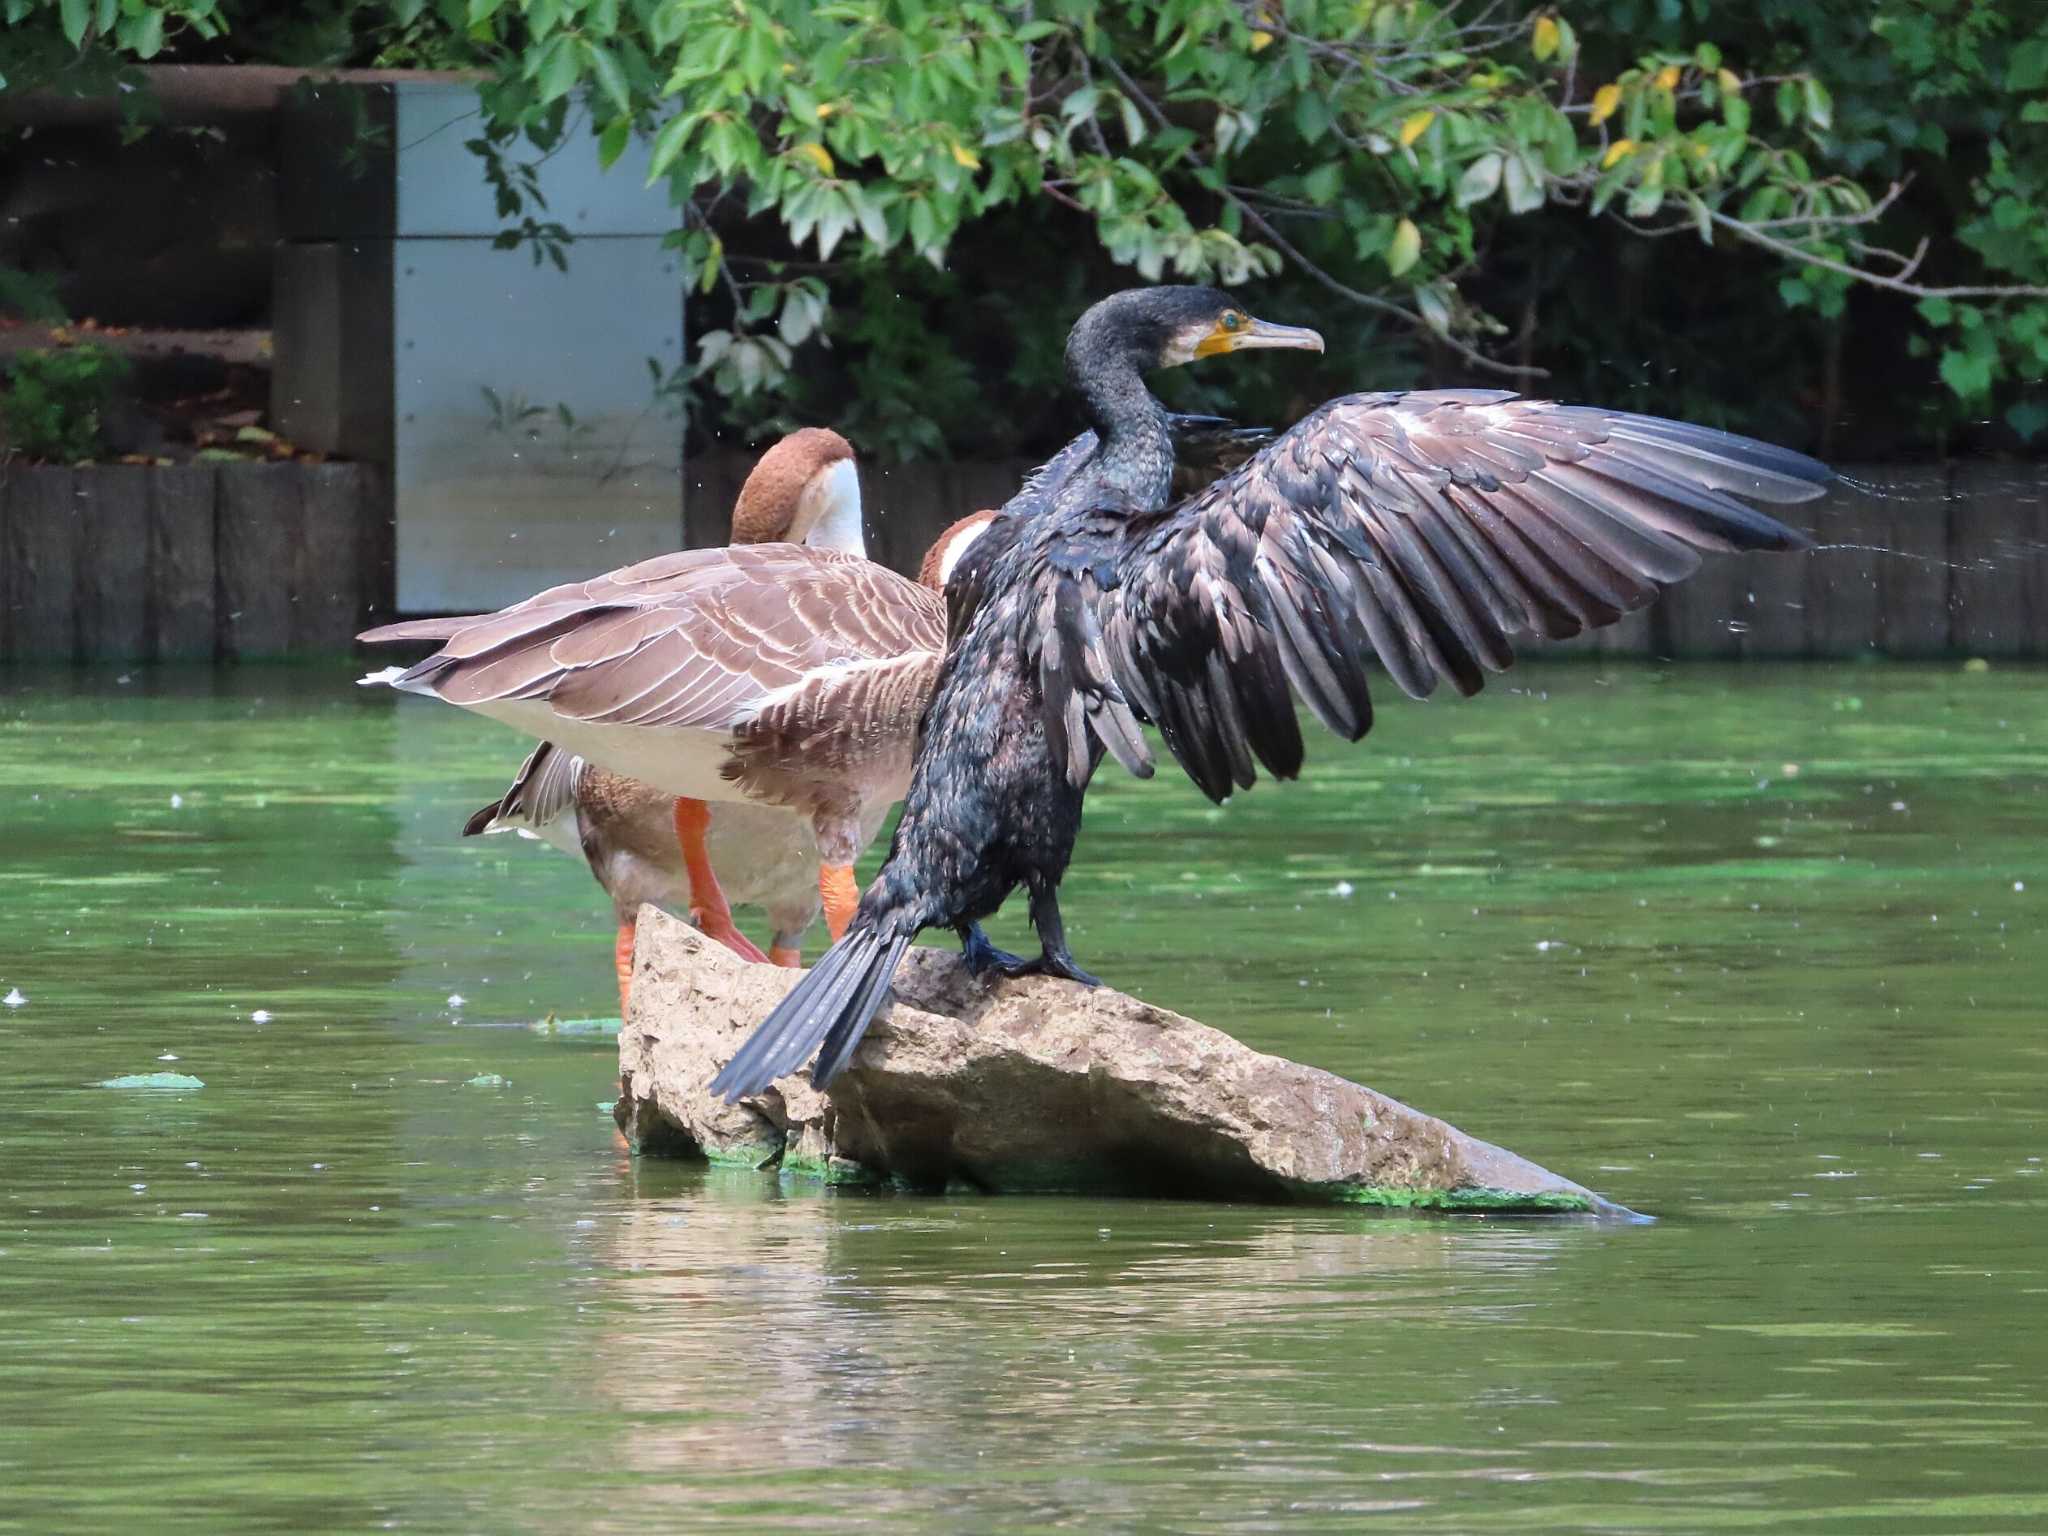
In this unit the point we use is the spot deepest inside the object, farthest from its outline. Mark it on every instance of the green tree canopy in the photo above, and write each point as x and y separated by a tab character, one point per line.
1504	188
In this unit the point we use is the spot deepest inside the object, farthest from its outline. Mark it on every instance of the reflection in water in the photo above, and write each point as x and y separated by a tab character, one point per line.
1795	1013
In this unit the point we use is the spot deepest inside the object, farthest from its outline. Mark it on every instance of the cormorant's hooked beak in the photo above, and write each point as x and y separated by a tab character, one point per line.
1252	333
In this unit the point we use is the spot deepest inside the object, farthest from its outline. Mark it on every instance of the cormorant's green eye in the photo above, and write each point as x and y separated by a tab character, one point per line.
1232	320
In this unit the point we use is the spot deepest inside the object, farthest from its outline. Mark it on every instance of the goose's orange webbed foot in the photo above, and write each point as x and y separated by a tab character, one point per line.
841	897
708	907
622	961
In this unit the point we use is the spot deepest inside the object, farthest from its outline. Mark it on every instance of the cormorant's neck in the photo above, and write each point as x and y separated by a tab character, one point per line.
1134	448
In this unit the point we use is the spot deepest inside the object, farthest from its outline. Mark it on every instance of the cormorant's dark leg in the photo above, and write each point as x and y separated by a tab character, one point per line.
1052	935
983	957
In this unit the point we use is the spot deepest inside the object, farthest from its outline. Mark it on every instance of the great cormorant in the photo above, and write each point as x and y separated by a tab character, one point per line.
1428	528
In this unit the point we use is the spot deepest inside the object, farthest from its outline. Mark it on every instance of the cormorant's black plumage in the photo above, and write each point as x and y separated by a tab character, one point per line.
1426	528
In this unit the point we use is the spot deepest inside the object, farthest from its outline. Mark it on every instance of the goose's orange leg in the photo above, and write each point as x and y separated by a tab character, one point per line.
841	896
707	901
622	959
791	955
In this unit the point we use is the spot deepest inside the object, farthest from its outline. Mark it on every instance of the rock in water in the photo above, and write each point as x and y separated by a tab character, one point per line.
1037	1085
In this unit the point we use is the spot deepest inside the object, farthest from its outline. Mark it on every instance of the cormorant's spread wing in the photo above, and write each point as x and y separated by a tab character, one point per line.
1430	528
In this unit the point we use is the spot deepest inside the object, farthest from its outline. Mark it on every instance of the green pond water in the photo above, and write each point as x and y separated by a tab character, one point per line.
1758	951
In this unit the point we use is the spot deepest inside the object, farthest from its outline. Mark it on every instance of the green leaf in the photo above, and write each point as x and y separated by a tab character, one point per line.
2027	418
668	143
1323	184
1311	115
612	142
1967	373
557	72
1480	181
605	65
1524	184
2027	72
1434	308
1936	311
143	35
73	15
1405	249
1820	106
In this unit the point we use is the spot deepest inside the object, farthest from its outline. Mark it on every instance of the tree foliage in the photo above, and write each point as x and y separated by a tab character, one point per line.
1390	158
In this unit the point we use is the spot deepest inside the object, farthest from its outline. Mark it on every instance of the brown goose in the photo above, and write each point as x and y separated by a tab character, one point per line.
625	829
784	678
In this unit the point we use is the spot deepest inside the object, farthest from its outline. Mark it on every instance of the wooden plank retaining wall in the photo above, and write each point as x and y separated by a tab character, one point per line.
231	561
195	562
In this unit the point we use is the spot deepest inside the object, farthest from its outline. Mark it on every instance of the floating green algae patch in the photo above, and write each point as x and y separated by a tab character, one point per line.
155	1082
588	1028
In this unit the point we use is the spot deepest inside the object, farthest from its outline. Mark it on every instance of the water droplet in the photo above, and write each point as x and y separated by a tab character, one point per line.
1342	888
14	998
177	802
455	999
167	1056
260	1016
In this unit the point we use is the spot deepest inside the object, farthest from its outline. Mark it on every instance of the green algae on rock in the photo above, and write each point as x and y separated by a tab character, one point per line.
1039	1086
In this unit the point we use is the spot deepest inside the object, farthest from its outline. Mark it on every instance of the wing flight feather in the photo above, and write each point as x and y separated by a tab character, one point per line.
1432	529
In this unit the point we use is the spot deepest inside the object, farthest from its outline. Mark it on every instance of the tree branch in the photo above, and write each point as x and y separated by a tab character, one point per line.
1796	252
1344	291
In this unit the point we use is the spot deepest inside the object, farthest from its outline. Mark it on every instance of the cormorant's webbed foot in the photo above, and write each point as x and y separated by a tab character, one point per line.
983	957
1057	962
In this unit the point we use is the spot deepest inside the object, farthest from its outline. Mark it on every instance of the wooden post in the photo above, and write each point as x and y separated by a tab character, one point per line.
113	569
330	588
1906	517
1704	616
1843	613
260	524
1998	551
39	547
1776	588
182	607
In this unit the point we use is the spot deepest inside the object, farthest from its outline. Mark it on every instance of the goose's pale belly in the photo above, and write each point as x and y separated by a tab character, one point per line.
765	858
692	762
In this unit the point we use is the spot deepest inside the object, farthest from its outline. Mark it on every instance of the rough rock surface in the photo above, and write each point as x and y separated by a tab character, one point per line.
1036	1084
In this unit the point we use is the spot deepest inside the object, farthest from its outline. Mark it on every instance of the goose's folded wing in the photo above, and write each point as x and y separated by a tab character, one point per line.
692	640
1428	528
835	725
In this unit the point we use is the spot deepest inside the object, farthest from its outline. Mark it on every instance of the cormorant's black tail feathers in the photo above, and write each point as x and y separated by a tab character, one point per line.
833	1004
